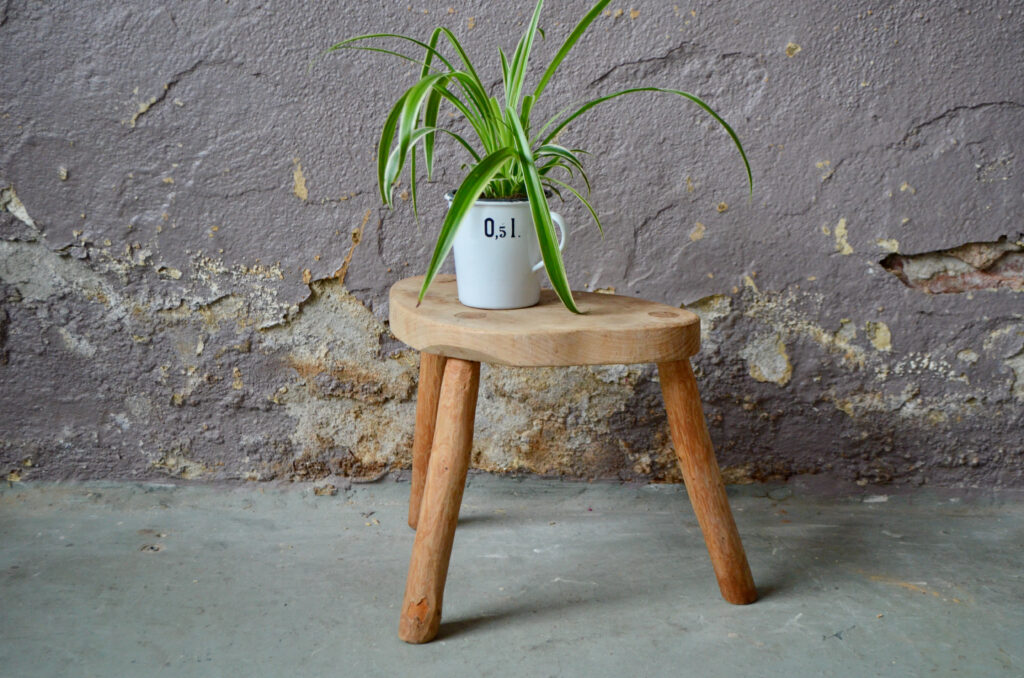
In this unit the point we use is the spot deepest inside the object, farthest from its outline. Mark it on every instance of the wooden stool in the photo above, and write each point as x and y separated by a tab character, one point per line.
453	340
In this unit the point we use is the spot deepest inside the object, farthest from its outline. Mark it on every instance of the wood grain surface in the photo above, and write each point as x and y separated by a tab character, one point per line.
704	482
613	329
442	497
427	394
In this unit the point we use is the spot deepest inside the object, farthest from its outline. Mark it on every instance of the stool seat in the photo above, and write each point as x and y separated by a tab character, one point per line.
613	329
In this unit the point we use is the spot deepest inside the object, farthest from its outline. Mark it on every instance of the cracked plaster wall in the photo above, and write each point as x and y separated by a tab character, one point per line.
194	264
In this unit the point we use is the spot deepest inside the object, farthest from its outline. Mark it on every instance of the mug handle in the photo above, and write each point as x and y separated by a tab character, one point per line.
557	218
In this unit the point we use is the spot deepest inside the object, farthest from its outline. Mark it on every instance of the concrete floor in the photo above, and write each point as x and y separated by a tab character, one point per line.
547	579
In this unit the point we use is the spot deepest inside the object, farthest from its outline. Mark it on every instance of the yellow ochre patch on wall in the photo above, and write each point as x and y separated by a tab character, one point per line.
879	335
299	187
840	233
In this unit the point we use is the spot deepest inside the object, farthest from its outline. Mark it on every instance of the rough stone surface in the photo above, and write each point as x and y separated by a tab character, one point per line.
194	263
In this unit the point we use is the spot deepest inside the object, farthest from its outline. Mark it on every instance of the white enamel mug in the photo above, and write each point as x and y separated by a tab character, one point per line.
497	255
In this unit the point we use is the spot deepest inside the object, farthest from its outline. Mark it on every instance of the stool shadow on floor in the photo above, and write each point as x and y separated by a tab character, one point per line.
531	607
578	575
536	607
807	562
490	519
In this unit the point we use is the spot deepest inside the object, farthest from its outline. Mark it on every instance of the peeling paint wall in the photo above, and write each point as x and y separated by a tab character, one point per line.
194	266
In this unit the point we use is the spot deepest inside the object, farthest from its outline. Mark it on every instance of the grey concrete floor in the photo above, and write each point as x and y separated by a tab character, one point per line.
547	579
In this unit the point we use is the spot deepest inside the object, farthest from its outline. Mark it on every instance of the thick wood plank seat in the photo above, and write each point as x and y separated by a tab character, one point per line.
613	330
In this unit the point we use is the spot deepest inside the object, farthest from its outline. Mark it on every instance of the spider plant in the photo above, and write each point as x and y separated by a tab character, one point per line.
509	157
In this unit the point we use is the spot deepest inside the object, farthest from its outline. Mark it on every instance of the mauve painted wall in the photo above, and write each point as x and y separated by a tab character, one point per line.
194	261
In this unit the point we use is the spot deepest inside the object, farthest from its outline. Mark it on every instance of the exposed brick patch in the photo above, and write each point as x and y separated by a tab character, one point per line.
973	266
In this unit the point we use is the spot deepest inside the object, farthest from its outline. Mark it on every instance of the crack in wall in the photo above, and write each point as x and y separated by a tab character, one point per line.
637	229
973	266
357	237
670	55
949	113
901	145
147	106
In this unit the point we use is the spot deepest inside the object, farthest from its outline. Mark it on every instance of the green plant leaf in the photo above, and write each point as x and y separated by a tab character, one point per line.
431	51
549	150
418	135
586	203
382	50
501	134
462	142
462	55
524	117
517	56
474	88
504	69
429	116
522	59
430	112
563	51
686	95
384	147
412	182
476	120
410	114
347	44
546	236
554	163
468	192
553	189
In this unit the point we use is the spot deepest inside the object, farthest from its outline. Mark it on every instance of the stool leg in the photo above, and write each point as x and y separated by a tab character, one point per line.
704	482
442	496
431	371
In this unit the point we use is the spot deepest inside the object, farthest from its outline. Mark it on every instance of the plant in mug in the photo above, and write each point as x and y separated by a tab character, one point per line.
510	158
